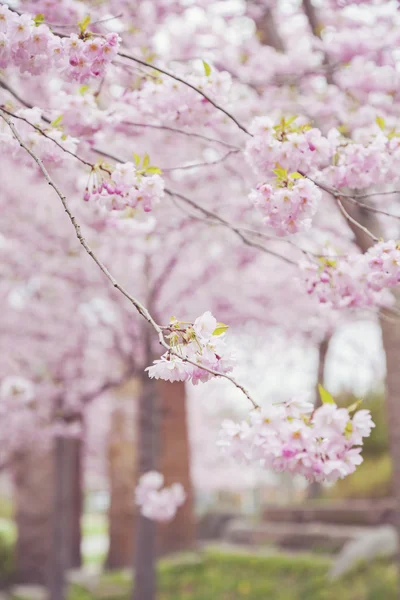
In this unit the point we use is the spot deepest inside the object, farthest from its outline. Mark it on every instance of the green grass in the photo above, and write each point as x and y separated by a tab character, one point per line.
372	479
221	576
94	524
8	530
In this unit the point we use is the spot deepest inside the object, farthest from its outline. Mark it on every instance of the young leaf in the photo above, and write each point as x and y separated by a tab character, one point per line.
220	329
153	171
290	121
83	89
353	407
207	68
57	121
39	19
136	159
146	161
326	397
348	430
83	25
296	175
279	171
380	122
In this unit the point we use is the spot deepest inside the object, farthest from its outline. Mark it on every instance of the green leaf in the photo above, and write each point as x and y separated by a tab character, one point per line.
326	397
83	89
207	68
136	159
353	407
348	430
146	161
57	121
280	172
220	329
83	25
39	19
380	122
296	175
290	121
153	171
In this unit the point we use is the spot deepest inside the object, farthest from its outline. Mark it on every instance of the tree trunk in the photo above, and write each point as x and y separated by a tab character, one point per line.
145	534
36	476
76	449
122	476
62	518
33	490
179	534
391	344
267	30
314	489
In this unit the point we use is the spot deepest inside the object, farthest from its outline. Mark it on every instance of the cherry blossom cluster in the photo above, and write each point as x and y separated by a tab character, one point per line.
288	204
43	145
322	444
357	281
202	342
33	48
291	143
174	102
359	165
156	502
127	186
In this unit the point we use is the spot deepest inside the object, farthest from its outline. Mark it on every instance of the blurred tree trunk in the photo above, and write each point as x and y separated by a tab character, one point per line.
37	473
76	449
267	30
314	489
391	343
145	530
33	489
62	518
122	476
179	534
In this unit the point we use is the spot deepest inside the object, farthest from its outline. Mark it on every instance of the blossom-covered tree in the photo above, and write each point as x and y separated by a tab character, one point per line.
267	125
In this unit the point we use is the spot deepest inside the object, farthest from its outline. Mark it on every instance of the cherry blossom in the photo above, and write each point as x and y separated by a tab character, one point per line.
156	502
203	343
322	444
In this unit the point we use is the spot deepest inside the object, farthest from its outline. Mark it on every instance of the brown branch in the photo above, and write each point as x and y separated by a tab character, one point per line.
354	222
142	310
181	132
221	221
190	85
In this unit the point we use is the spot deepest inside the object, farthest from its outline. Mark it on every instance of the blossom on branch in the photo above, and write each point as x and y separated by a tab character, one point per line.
202	342
322	444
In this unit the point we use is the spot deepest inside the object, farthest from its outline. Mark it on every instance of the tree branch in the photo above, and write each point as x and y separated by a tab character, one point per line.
142	310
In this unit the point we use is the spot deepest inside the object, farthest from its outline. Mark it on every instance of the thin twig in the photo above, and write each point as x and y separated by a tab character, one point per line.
190	85
203	164
142	310
221	221
355	222
82	160
182	132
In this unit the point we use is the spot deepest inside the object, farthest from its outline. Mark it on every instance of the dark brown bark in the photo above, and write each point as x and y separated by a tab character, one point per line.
122	476
179	534
145	584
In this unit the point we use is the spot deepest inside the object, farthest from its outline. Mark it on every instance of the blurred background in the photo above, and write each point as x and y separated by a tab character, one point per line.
73	351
